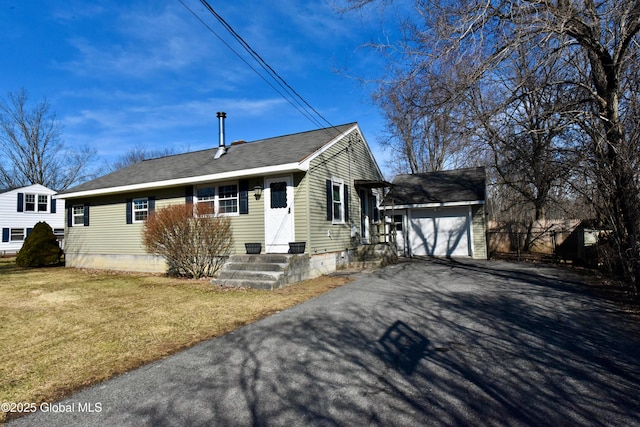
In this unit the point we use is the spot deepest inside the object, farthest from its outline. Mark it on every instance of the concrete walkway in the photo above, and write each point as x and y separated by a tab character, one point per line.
430	342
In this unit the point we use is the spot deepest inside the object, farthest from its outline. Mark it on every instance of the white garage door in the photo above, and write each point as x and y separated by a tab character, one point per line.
441	232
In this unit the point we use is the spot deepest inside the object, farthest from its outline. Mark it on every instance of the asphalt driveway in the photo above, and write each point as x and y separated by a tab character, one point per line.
430	342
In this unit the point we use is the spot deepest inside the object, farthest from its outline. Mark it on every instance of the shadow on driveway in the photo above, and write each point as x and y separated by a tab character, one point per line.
427	342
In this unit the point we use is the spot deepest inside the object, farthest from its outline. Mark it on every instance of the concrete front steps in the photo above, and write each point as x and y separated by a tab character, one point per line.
374	256
265	271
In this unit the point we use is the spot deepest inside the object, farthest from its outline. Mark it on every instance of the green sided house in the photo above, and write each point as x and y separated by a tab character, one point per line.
316	190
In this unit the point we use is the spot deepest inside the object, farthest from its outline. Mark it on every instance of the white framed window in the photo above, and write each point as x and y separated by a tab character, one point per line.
337	196
33	202
228	199
206	195
223	198
78	215
43	203
17	234
29	202
140	209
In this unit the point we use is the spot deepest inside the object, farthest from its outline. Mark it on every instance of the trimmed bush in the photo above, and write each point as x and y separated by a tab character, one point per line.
40	248
194	241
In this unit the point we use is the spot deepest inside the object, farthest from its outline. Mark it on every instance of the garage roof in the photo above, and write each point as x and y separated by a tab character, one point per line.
459	185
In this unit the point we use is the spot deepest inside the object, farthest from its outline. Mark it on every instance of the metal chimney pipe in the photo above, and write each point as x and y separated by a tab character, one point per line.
221	144
221	116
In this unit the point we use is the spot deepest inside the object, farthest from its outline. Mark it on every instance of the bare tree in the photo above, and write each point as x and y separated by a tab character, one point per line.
596	43
423	137
527	121
139	154
32	148
426	130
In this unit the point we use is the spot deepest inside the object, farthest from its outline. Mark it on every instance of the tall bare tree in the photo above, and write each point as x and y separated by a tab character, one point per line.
596	43
32	149
527	120
423	132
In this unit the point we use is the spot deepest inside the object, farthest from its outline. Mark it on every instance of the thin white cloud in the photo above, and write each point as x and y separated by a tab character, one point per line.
151	118
141	42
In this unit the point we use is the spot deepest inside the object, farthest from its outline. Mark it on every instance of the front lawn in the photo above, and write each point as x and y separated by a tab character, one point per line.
62	329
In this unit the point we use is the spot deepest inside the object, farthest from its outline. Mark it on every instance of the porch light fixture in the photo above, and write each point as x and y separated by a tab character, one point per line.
257	191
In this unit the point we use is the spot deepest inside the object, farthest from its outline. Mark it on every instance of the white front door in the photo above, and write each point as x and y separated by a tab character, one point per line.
278	214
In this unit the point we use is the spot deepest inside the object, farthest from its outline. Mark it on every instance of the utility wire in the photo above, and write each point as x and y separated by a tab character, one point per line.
290	94
286	98
263	63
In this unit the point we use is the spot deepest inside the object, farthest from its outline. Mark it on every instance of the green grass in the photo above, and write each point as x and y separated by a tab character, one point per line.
62	329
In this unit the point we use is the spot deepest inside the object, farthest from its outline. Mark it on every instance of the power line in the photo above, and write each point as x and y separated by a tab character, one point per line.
306	114
284	89
281	82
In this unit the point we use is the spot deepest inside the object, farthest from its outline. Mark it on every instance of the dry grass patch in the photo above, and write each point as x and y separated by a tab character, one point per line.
62	328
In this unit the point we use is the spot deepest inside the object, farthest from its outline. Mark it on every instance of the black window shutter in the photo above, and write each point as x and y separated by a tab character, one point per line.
244	196
188	194
53	205
346	202
129	211
152	204
20	202
329	201
86	215
70	216
5	235
28	231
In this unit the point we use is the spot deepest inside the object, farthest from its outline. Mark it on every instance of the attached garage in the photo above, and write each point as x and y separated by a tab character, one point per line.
439	214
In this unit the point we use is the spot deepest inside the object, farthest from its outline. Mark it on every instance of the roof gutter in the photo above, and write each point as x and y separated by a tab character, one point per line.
435	204
287	167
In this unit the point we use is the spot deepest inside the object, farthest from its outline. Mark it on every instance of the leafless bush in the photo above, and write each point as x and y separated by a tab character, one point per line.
194	241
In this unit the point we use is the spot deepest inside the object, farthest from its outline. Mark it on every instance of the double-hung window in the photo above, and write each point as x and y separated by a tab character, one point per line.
140	209
29	202
78	215
43	202
228	199
223	198
337	195
207	195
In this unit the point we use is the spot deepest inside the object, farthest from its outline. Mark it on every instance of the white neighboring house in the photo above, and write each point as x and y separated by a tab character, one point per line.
22	208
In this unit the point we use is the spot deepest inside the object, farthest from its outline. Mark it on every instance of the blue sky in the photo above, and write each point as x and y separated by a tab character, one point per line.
121	74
